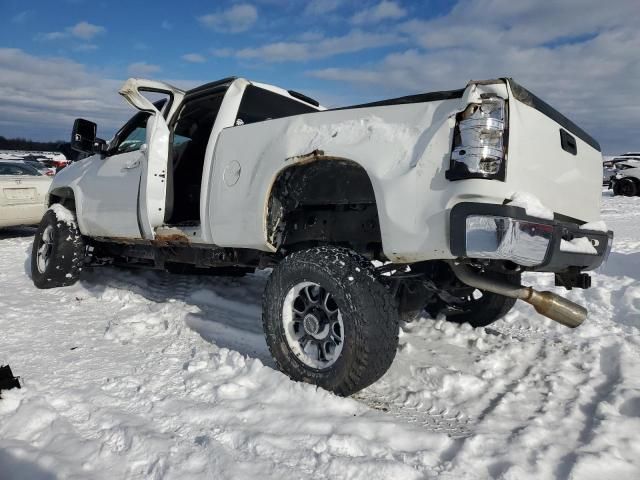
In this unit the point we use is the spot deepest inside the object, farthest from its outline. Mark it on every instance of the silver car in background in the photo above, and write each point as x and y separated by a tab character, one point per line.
622	162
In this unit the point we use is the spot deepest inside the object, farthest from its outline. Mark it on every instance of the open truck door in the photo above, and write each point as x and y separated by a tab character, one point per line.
154	162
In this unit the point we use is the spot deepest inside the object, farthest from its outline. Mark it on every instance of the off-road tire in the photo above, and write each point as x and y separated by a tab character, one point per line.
626	187
66	253
369	314
489	308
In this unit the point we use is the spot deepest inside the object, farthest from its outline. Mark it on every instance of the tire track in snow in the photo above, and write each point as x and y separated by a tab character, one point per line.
455	425
610	368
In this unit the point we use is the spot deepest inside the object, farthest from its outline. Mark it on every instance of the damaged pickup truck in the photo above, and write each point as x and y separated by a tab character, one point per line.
451	194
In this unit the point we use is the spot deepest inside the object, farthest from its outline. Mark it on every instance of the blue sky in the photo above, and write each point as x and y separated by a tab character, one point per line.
66	58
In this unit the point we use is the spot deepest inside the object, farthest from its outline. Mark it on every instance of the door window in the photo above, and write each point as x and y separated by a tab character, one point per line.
131	137
259	104
133	141
134	133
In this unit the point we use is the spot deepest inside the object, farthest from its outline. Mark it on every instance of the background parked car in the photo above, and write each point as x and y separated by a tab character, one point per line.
41	167
611	167
626	181
23	191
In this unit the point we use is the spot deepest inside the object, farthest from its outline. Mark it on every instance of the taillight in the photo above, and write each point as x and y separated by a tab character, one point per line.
479	141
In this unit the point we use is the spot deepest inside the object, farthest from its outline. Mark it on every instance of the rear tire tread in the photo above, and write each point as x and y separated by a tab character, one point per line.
370	306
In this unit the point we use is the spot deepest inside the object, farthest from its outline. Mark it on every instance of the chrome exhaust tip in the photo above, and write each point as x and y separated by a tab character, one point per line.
556	308
549	304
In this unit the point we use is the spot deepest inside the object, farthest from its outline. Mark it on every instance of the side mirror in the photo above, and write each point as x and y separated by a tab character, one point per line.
83	135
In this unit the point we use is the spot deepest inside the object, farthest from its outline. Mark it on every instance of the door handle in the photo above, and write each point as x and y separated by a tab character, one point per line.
133	164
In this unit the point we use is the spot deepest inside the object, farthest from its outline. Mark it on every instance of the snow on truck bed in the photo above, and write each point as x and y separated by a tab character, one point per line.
134	374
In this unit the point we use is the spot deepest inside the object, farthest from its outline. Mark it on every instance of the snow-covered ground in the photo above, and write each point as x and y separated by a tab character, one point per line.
134	374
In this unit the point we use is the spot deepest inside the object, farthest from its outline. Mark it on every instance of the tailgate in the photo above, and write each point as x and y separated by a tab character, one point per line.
552	158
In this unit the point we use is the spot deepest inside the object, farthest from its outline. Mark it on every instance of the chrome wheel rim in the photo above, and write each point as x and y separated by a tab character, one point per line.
45	249
313	325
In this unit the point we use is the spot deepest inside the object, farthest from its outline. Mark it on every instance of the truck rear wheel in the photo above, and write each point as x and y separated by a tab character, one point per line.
329	320
58	250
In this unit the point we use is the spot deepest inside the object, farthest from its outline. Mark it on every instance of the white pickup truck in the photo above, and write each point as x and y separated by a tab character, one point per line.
452	195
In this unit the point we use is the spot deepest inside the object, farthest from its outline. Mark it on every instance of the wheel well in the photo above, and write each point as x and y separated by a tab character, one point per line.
325	201
63	196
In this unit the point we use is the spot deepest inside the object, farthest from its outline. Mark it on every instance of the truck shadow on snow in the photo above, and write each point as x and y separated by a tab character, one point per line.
16	468
16	232
225	311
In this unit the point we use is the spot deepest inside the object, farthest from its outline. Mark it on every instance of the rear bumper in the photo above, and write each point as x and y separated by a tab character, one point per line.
503	232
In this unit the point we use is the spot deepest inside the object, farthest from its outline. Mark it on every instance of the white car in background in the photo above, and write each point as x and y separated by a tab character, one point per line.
611	167
23	191
626	180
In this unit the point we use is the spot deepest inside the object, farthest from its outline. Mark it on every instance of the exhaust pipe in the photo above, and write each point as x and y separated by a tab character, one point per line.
549	304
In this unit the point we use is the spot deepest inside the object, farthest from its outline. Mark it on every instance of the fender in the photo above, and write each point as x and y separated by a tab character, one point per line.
66	183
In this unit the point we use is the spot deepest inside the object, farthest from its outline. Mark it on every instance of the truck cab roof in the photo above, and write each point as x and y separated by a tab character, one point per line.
226	82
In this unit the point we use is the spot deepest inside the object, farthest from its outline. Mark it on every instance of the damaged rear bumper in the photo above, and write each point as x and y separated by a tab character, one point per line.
507	233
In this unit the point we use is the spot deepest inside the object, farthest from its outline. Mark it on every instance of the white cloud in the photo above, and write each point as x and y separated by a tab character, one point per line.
321	7
22	17
584	65
481	24
86	30
385	10
222	52
237	18
82	30
354	41
142	69
194	58
166	25
41	96
85	47
52	35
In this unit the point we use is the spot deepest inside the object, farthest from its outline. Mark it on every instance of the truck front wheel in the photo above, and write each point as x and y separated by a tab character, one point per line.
329	320
58	250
